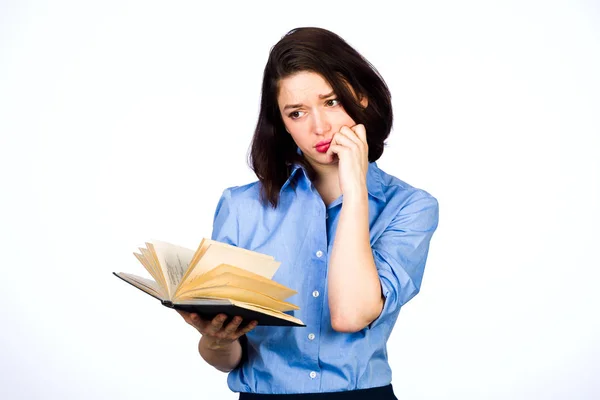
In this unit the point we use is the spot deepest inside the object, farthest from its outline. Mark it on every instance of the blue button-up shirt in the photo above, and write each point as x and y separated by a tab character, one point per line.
300	233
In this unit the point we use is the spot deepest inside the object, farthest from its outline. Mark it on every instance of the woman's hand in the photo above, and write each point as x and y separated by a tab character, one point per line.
218	336
350	145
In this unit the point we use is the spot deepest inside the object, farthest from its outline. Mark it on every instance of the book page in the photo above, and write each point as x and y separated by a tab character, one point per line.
268	311
149	266
206	243
202	247
173	260
199	280
206	301
217	254
149	258
240	294
143	284
227	278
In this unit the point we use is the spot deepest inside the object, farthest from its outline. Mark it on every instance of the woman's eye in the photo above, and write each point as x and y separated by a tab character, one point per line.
293	115
296	114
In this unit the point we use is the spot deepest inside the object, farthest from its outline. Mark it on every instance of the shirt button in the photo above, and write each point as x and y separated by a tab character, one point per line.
313	374
326	216
316	293
311	336
319	254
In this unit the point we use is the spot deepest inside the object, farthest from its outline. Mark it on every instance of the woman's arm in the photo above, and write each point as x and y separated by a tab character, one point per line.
354	290
399	256
223	357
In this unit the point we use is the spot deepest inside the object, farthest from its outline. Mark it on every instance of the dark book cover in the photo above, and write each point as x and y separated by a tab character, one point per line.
209	311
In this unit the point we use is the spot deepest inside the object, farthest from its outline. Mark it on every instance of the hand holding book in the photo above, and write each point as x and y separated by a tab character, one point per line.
219	333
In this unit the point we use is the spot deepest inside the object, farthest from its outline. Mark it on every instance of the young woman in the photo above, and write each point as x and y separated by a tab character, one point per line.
351	239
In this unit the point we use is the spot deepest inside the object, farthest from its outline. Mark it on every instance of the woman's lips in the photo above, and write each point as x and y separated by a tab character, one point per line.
323	149
323	146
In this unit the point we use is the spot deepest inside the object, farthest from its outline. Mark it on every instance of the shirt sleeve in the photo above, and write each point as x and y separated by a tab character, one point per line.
225	221
401	251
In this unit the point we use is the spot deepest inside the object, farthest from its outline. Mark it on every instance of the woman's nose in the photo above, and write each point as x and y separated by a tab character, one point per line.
321	124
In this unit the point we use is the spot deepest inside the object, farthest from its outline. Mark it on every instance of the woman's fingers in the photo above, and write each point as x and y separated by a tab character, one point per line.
215	325
216	328
188	317
193	319
248	328
360	131
351	134
199	323
232	330
344	140
232	327
339	144
350	138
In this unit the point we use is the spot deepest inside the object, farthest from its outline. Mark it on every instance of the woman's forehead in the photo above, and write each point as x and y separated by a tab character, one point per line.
303	84
306	86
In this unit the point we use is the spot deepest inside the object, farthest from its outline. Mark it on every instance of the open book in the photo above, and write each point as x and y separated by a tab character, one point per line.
216	278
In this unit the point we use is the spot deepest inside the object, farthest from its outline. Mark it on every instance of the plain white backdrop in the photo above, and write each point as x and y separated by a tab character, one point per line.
123	121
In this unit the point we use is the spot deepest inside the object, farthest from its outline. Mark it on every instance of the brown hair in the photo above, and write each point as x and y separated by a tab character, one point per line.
318	50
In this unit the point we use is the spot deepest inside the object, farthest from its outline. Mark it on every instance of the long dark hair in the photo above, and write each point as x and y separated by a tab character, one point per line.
273	151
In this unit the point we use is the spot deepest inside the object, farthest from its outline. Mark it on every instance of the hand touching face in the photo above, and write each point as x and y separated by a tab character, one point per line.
349	145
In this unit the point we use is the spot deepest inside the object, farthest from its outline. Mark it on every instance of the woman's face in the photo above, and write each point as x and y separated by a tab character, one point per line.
312	114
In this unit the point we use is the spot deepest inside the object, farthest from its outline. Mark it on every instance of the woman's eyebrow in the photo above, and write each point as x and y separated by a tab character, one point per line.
321	96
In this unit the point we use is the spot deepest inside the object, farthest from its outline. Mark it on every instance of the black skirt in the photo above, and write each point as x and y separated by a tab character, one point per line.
377	393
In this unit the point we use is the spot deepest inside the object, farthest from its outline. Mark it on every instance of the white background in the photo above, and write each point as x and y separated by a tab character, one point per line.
123	121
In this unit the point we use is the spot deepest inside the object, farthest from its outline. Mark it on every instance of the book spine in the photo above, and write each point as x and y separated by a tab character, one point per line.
167	303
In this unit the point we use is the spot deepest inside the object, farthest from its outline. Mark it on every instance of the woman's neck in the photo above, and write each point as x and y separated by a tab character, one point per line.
327	182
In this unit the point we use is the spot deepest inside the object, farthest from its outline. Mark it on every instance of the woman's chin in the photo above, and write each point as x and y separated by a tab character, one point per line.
330	159
325	159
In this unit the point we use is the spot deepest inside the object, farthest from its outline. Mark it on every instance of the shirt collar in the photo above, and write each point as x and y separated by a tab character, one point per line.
374	180
293	172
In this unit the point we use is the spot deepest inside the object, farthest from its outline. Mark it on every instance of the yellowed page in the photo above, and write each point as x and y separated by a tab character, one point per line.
147	255
240	294
173	260
149	267
268	311
199	280
251	261
263	285
206	243
225	268
144	284
202	247
153	262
